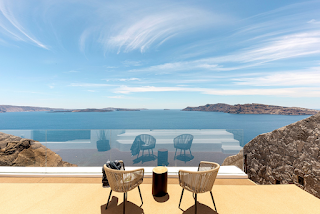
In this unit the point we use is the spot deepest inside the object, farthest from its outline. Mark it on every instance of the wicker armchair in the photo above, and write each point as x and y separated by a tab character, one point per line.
146	142
124	181
183	142
200	181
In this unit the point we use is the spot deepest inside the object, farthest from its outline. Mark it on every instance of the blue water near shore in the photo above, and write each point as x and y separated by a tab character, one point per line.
251	124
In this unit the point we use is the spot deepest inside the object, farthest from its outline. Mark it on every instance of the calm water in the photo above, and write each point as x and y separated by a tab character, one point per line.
252	125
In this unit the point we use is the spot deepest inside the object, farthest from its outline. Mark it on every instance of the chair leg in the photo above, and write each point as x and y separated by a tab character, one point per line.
140	196
181	198
190	153
195	204
124	202
213	201
109	198
175	154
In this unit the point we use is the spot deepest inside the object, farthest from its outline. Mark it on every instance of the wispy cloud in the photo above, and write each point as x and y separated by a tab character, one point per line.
13	27
116	97
130	79
89	85
310	77
284	47
288	92
51	85
154	26
129	63
313	21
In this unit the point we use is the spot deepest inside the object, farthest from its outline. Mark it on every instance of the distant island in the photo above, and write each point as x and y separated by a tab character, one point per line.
253	108
10	108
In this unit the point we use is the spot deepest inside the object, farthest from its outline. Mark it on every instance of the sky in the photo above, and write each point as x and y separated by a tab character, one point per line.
159	54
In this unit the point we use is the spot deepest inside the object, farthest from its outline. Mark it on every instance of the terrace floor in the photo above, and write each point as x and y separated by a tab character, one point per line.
65	195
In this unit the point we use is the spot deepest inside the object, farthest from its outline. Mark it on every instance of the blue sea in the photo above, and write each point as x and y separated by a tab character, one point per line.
251	124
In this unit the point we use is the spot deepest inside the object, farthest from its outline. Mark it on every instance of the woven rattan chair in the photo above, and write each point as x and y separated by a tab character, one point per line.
200	181
124	181
183	142
146	142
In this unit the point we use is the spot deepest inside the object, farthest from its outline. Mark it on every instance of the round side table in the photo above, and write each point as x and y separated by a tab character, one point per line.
159	181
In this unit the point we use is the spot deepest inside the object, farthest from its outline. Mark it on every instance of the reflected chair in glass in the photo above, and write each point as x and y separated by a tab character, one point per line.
182	142
124	181
199	182
146	142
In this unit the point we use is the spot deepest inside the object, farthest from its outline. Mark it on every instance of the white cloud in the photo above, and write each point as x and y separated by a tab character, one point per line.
310	77
156	26
89	85
288	92
283	47
51	85
313	21
128	63
129	79
116	97
13	27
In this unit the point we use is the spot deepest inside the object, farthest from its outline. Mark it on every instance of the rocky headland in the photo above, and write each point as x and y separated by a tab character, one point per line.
16	151
289	155
10	108
253	108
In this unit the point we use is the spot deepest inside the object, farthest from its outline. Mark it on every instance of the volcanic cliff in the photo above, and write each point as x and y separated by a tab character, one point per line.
253	108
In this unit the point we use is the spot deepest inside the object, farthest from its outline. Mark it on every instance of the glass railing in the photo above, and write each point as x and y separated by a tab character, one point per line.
136	147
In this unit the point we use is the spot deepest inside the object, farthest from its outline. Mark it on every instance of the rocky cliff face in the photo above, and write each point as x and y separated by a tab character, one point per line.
253	109
290	154
234	160
16	151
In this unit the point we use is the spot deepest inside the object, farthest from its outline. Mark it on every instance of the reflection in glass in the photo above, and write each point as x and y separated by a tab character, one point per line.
183	142
143	142
103	144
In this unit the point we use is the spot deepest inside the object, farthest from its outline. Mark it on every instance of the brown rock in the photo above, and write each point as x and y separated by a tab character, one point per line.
235	160
286	154
25	152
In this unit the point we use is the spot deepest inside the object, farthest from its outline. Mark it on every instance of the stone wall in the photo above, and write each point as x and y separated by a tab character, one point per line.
289	155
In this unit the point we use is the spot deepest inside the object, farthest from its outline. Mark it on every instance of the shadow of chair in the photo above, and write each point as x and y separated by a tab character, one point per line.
124	181
115	208
199	182
183	142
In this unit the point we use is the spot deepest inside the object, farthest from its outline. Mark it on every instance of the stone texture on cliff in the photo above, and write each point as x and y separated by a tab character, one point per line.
290	154
253	108
235	160
16	151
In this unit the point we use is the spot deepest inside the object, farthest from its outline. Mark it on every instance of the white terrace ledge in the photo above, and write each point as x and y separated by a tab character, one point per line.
227	172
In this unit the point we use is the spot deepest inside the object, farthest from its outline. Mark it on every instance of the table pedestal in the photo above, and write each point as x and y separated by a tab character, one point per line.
159	181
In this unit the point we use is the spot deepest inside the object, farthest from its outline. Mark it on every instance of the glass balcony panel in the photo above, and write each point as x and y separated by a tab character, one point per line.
136	147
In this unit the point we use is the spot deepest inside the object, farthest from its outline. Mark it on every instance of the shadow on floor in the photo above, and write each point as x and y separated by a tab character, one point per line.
201	208
115	208
144	158
161	199
184	157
